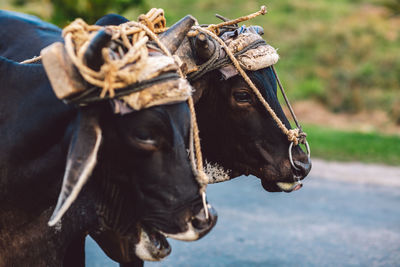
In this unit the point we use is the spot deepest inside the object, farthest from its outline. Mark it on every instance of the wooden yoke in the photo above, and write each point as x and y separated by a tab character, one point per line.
64	78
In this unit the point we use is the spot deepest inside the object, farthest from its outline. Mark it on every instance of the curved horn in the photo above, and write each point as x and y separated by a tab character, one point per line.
174	36
204	47
81	161
93	56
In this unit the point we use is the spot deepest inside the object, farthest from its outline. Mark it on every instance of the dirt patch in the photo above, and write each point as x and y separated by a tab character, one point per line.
311	112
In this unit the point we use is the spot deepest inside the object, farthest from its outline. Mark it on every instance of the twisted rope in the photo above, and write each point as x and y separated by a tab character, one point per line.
118	69
215	27
294	135
154	20
218	60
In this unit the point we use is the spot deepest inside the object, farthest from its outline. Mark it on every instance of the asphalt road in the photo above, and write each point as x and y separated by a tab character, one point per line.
348	221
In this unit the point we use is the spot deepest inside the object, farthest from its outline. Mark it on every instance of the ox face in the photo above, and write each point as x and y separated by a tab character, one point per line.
144	181
240	135
147	185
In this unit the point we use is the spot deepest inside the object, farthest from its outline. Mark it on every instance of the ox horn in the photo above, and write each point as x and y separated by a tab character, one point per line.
204	47
174	36
81	161
93	56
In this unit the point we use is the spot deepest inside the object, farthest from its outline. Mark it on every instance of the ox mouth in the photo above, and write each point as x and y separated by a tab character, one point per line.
197	227
146	244
281	186
289	187
153	246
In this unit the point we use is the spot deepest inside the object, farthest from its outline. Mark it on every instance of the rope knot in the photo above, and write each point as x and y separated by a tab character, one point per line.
296	136
293	135
154	20
145	21
214	29
202	179
110	71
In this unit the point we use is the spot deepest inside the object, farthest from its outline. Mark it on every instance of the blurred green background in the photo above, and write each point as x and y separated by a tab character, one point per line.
339	60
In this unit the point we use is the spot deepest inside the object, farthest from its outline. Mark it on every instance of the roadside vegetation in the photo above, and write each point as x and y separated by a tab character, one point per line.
344	54
332	144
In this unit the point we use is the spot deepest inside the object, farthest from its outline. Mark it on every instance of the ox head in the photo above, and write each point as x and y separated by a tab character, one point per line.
137	168
237	132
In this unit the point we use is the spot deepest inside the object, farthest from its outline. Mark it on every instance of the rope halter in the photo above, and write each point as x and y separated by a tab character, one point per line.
295	136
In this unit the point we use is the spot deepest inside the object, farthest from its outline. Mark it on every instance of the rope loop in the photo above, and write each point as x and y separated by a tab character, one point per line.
214	28
296	136
154	20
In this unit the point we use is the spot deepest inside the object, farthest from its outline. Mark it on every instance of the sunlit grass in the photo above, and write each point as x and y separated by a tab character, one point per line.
338	145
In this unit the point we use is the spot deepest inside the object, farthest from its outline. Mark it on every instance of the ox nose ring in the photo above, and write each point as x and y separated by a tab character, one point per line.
291	157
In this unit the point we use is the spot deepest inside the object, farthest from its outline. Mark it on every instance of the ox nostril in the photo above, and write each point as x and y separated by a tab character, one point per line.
201	222
304	167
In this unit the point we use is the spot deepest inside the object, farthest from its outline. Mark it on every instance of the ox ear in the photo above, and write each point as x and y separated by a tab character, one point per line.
81	161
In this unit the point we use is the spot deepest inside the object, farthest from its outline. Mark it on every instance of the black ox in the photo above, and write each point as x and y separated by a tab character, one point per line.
141	181
237	133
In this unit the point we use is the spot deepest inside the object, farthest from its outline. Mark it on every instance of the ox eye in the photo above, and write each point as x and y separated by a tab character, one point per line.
149	145
242	97
145	142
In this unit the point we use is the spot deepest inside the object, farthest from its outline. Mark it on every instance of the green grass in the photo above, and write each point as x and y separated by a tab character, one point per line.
339	145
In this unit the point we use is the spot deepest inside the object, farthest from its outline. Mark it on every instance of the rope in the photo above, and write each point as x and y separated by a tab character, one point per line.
117	71
202	177
154	20
218	60
215	27
91	95
294	135
301	135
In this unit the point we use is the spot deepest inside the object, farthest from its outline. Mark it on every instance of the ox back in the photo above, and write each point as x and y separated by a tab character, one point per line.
33	35
34	138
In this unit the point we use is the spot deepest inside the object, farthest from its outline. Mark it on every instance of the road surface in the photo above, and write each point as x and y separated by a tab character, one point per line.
345	215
